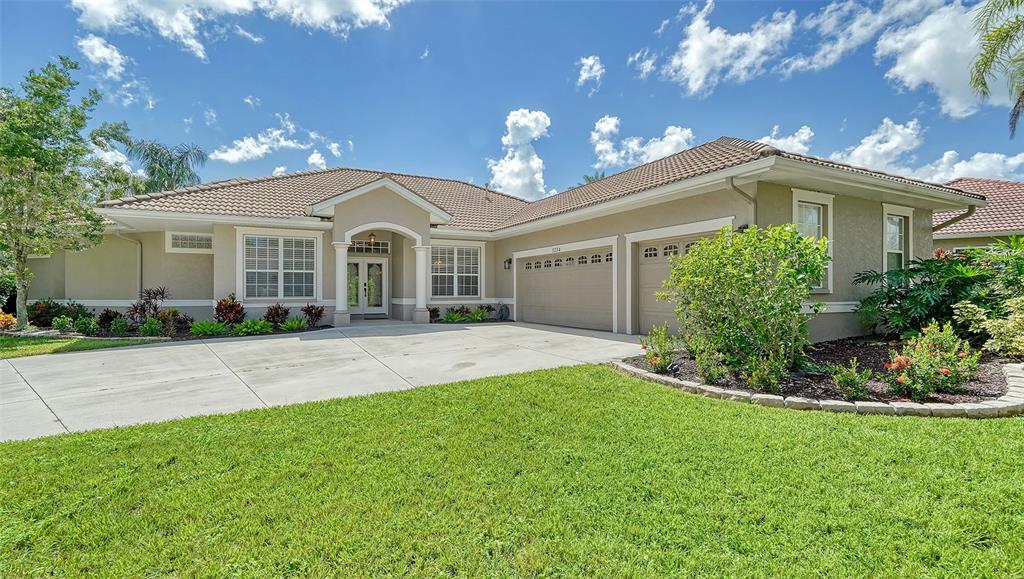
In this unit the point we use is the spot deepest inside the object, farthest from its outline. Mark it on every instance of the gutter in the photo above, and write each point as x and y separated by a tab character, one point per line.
729	182
970	211
138	245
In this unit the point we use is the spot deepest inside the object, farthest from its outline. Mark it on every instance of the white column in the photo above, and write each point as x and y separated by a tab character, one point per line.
420	314
341	315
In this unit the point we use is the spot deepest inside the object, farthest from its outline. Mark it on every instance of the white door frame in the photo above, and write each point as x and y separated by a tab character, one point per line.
361	263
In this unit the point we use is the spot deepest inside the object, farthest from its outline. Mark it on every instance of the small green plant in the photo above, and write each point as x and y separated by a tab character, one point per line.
63	324
851	382
1006	335
478	315
254	328
87	326
276	314
934	360
659	346
294	324
151	327
710	362
203	328
119	327
453	316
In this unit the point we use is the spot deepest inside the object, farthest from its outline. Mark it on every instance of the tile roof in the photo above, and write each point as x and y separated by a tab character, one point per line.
473	207
1004	211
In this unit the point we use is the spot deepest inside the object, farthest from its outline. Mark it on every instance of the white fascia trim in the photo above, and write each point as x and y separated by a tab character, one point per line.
169	249
317	236
435	212
681	230
295	221
902	211
979	235
825	199
830	307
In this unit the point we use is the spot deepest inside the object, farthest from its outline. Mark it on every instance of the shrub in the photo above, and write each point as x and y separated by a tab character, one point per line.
659	346
87	326
477	315
434	312
229	310
119	327
934	360
148	304
710	362
42	312
453	316
151	327
106	317
851	382
276	314
1005	335
254	328
203	328
7	287
313	314
173	321
63	324
743	292
7	321
294	324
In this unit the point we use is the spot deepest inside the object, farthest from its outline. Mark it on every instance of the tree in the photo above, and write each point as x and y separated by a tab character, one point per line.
1000	27
597	176
166	167
45	202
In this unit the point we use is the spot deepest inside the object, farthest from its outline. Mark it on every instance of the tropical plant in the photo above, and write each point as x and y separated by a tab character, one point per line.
87	326
294	324
7	321
203	328
173	321
934	360
42	312
1005	334
119	327
148	304
229	310
851	381
1000	28
151	327
254	328
453	316
276	314
743	292
313	314
107	316
596	176
166	167
45	202
477	315
659	346
63	324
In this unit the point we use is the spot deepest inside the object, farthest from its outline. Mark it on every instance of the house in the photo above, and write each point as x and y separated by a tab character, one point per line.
1002	216
373	243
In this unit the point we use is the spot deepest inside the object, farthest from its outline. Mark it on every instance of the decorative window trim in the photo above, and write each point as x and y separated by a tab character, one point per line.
318	277
169	242
898	211
826	201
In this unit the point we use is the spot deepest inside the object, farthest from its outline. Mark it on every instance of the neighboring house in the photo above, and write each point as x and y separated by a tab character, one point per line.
373	243
1002	216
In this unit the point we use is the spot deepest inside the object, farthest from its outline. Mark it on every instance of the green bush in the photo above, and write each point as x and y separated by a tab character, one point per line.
87	326
63	324
453	316
151	327
254	328
659	346
7	287
851	381
119	327
294	324
276	314
1005	335
477	315
710	362
106	317
202	328
935	360
743	293
41	313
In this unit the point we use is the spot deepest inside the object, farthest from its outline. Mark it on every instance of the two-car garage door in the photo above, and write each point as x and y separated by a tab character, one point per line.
567	289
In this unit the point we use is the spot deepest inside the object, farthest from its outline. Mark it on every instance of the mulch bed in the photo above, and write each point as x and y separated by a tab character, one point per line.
989	383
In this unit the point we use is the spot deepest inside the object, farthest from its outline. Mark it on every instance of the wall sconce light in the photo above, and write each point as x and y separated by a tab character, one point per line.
508	263
371	238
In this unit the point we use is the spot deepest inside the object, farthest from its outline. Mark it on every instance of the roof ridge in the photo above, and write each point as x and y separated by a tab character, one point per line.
988	179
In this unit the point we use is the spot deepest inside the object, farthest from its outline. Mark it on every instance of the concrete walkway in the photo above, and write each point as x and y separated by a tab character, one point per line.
56	393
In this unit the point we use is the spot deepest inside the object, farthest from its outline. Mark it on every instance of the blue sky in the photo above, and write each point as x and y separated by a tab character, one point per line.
428	87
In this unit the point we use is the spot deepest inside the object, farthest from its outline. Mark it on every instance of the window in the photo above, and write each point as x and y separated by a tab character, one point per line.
670	249
529	265
366	247
570	261
583	260
278	267
189	243
608	257
810	219
455	271
547	263
812	215
558	263
596	258
650	252
897	236
536	265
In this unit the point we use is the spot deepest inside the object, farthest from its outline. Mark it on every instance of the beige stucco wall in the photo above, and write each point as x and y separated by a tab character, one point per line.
953	243
48	280
381	205
108	271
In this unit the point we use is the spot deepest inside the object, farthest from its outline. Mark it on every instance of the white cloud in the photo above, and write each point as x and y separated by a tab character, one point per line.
798	142
182	21
426	53
187	122
316	160
662	27
134	91
521	171
633	150
210	117
112	157
591	70
279	170
249	148
248	35
334	148
252	101
937	52
990	165
846	25
99	52
351	146
644	62
706	56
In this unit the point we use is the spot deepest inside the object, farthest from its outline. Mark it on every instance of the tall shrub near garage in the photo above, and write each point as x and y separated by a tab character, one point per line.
741	294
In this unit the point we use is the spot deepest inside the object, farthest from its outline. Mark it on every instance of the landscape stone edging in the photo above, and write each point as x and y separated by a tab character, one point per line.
1009	404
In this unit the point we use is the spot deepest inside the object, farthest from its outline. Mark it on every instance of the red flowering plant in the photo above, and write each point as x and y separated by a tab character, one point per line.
935	360
659	346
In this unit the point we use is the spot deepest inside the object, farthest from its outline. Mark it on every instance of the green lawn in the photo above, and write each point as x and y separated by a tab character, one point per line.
576	471
18	346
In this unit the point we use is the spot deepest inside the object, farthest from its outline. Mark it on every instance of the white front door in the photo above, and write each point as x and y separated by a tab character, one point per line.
368	285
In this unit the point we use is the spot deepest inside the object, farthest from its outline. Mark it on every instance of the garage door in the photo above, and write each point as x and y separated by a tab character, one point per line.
566	289
653	271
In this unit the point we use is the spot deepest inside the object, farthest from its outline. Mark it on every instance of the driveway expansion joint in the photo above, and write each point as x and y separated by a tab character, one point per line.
32	388
235	374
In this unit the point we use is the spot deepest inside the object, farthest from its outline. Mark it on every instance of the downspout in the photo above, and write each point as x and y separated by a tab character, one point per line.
750	200
138	244
970	211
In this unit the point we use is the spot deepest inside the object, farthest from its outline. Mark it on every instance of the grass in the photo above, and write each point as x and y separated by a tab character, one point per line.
576	471
18	346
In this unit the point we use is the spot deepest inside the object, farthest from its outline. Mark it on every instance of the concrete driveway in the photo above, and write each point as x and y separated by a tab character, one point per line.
43	395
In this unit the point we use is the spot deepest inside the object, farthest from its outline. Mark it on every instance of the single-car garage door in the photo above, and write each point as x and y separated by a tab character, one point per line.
653	271
566	289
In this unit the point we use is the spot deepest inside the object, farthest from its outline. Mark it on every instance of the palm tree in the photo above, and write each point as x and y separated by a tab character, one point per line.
166	167
1000	27
597	176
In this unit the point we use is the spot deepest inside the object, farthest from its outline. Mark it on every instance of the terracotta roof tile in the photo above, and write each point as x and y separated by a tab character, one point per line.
1004	211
